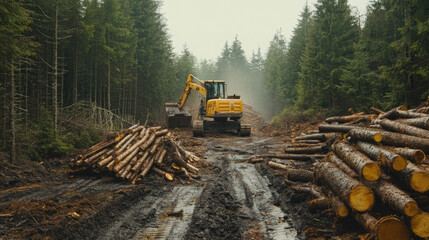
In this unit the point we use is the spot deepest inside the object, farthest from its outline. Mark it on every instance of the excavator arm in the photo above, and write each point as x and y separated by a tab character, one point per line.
190	84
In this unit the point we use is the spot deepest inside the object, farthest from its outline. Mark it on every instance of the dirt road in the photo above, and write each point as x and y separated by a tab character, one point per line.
233	200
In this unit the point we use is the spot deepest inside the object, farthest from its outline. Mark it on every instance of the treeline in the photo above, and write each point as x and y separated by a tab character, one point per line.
334	61
113	54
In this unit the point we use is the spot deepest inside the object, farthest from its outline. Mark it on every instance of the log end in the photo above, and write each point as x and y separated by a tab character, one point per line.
371	172
420	182
169	177
420	224
342	211
361	198
377	137
411	209
419	156
392	228
399	163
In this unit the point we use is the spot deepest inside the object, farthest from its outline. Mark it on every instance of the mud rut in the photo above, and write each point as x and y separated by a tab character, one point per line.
232	201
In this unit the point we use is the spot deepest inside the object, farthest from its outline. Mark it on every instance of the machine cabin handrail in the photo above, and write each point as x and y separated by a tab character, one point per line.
190	84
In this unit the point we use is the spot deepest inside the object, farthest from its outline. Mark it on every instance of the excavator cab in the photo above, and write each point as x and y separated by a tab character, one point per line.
215	89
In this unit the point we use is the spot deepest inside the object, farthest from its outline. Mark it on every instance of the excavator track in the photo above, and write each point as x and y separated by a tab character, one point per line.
245	130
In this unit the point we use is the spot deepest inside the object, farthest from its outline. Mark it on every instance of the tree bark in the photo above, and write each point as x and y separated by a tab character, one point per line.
421	122
333	158
415	177
386	228
367	135
414	155
403	128
357	161
403	140
408	114
336	128
358	196
395	198
306	150
388	159
299	157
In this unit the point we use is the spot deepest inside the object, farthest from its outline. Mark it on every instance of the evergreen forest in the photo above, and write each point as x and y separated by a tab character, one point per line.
71	68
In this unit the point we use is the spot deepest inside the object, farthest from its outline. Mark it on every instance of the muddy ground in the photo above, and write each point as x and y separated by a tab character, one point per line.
233	200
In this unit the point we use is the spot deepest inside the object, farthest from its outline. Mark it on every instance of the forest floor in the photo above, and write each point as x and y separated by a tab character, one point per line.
233	200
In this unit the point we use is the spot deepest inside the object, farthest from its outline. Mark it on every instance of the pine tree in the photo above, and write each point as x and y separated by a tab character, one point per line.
330	44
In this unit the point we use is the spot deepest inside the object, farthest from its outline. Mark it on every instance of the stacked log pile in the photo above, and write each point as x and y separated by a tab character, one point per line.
137	151
371	160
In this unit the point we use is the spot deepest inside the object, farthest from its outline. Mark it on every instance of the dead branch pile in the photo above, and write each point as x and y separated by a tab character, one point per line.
369	158
138	150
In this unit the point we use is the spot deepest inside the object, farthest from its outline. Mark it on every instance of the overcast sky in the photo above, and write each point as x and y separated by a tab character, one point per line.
205	25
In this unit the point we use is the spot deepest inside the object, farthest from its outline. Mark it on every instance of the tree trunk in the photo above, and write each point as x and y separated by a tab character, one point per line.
299	157
357	161
415	177
403	140
376	110
387	158
336	128
55	66
306	150
366	135
414	155
12	112
387	228
395	198
333	158
408	114
403	128
421	122
358	196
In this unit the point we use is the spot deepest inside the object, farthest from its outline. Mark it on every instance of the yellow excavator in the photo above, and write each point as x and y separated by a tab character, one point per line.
216	111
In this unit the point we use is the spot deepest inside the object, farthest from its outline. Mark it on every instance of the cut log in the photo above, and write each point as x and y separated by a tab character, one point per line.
164	174
370	135
161	133
300	175
127	143
336	128
403	128
333	158
140	161
313	190
392	113
122	163
414	155
105	161
161	157
122	142
302	145
277	165
338	206
422	122
388	159
386	228
299	157
395	198
155	145
420	224
100	146
147	167
358	196
306	150
408	114
147	143
305	141
316	136
376	110
95	156
415	177
350	118
403	140
358	161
